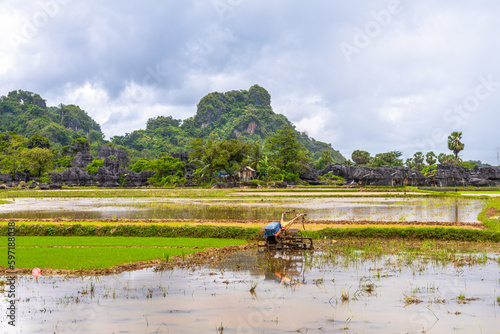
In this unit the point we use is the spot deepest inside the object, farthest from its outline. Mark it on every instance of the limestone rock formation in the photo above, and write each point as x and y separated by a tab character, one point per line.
4	178
310	175
82	160
105	151
377	176
75	177
441	176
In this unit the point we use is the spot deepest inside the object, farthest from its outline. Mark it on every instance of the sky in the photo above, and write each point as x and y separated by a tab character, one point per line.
362	74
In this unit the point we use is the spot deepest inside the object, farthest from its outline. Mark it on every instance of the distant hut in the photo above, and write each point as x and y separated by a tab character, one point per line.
247	173
223	175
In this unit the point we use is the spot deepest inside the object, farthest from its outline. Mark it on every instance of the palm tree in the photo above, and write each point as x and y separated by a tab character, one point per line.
430	158
256	155
418	159
454	143
265	167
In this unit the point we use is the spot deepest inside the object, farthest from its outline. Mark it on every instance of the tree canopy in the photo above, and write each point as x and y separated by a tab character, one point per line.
287	152
455	144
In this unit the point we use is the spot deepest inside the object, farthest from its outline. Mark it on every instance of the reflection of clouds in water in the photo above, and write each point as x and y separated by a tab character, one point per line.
202	294
376	209
428	210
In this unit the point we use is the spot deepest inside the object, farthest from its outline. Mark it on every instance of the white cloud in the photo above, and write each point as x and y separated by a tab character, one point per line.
124	62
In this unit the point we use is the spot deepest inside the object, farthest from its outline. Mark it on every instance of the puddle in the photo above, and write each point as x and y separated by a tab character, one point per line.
309	292
331	209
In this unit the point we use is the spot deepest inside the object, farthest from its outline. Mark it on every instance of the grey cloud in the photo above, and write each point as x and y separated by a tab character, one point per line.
392	95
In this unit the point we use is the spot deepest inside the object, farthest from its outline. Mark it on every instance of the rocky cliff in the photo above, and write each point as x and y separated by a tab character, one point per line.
441	176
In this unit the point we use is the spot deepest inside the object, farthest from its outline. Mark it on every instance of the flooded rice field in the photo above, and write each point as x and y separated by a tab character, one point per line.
317	209
253	292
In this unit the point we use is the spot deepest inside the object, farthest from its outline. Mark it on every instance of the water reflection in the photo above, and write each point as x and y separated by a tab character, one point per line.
327	292
286	267
324	209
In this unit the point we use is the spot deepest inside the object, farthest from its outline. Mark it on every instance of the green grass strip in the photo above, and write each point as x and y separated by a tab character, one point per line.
88	258
116	192
215	193
44	241
233	232
153	230
100	223
408	233
492	205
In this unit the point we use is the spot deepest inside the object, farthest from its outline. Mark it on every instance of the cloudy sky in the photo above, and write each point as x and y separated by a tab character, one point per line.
375	75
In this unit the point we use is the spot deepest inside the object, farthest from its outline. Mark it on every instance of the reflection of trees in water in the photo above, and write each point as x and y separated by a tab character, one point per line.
286	267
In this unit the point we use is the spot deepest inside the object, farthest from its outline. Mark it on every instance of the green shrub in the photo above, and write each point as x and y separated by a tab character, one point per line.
94	165
169	170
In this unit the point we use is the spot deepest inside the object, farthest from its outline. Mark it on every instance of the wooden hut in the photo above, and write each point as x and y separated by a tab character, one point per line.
247	173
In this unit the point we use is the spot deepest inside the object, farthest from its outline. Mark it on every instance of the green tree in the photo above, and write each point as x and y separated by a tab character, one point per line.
446	159
169	170
37	160
418	159
255	155
361	157
266	168
454	144
430	158
199	155
409	163
287	152
469	164
38	140
94	165
324	160
10	156
388	158
228	155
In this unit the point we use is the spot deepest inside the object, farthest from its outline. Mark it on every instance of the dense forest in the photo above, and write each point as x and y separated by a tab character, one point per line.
26	113
228	131
245	115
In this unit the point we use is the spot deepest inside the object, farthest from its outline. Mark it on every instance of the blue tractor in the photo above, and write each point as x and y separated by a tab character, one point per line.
279	235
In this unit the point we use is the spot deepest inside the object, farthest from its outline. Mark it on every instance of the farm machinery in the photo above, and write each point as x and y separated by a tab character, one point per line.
280	235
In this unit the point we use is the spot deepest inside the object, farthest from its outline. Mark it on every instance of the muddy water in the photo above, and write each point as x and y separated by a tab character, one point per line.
294	293
355	209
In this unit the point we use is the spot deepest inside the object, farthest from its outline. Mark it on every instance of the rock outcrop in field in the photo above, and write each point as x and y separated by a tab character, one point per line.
110	175
441	176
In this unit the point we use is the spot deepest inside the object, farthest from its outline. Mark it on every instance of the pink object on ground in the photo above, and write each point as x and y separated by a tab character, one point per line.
36	272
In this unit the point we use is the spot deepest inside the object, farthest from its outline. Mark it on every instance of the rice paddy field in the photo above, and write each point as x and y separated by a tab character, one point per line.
147	260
